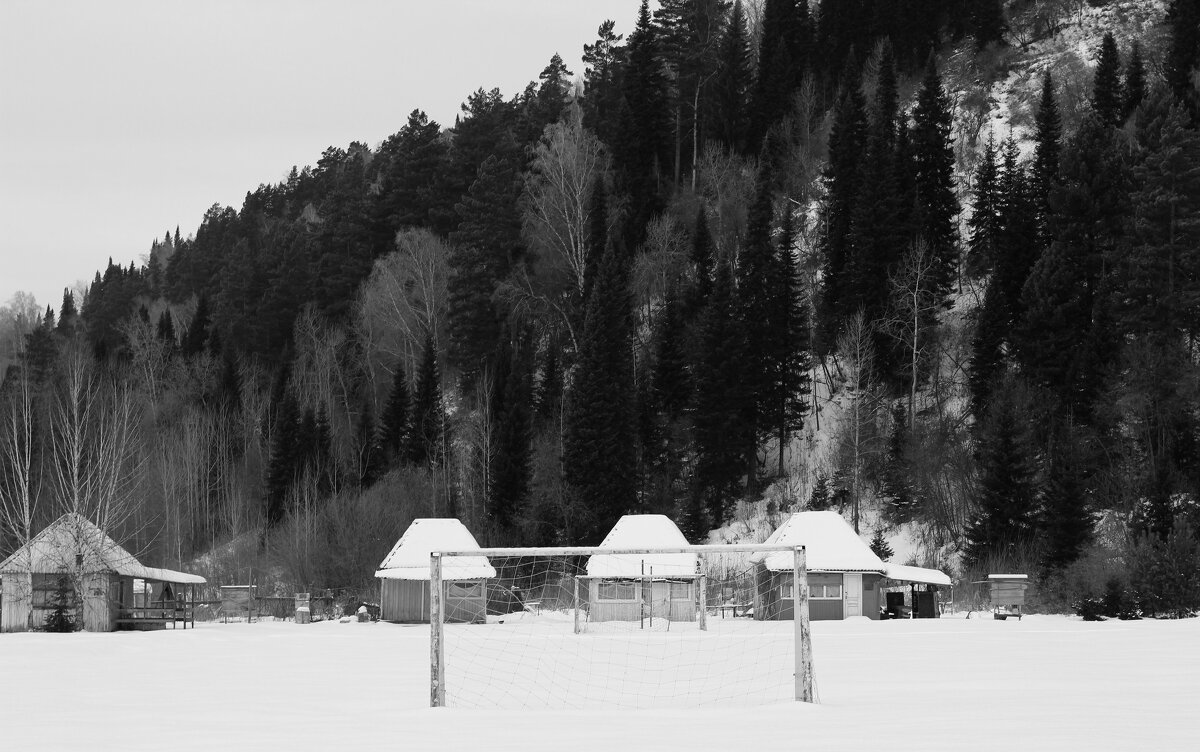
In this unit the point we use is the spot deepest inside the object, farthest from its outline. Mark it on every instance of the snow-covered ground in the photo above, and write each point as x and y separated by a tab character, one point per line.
1044	683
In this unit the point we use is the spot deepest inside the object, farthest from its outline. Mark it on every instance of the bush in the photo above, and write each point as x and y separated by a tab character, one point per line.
1090	609
1165	572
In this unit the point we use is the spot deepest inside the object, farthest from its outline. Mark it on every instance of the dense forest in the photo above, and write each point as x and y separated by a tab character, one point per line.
758	256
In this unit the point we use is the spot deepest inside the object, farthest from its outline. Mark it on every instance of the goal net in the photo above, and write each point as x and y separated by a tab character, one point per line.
601	627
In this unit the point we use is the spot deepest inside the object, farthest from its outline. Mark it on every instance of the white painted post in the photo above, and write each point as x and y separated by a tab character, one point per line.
804	669
437	654
702	583
578	610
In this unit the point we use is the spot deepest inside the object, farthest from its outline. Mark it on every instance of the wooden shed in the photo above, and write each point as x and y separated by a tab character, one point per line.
630	587
102	577
404	574
843	573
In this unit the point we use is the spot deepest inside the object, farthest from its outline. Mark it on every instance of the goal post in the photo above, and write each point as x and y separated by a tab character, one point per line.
533	627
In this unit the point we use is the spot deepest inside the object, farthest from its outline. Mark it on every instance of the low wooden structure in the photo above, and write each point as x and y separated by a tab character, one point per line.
633	587
238	601
922	585
843	573
404	574
104	580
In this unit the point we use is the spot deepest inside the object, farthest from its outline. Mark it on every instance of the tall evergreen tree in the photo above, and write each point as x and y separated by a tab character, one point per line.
197	332
1047	145
729	124
1108	100
599	451
283	464
166	329
984	224
987	22
1006	517
511	468
603	60
1135	81
933	160
718	409
790	349
1066	521
782	60
394	423
427	437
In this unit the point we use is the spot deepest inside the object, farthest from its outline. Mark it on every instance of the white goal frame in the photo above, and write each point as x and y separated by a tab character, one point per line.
803	634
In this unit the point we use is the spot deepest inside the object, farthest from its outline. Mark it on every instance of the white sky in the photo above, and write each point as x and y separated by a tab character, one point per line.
120	120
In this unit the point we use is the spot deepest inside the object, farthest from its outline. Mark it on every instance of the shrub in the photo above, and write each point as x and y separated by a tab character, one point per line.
1165	572
62	617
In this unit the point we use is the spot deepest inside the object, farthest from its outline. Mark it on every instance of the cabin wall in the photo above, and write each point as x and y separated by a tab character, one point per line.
16	601
407	601
661	605
101	601
770	605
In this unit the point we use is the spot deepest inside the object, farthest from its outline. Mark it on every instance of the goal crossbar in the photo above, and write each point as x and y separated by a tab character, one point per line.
804	683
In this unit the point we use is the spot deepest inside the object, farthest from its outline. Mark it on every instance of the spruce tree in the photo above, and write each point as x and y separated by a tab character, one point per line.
599	446
1135	81
879	545
790	348
61	617
67	314
1047	145
985	213
782	60
166	329
719	407
486	244
987	22
511	468
843	176
896	487
1006	517
701	258
394	423
369	457
933	161
282	466
1108	101
197	331
729	123
427	427
1066	522
603	60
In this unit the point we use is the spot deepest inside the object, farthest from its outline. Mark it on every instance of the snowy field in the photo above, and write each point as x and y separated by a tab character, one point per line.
1044	683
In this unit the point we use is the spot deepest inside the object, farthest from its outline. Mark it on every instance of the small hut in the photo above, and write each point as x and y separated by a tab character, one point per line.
404	574
922	585
630	587
843	573
99	575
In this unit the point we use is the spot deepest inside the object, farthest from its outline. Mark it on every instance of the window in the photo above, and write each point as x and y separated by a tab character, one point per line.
463	590
820	586
681	591
616	591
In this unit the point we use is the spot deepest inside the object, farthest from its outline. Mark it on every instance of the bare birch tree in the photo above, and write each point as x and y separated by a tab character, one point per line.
860	437
914	306
558	195
19	490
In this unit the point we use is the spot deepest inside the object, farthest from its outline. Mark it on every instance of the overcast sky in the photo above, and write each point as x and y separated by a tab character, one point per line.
120	120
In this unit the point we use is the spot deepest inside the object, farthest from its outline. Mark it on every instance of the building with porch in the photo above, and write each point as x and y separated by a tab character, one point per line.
630	587
111	588
404	574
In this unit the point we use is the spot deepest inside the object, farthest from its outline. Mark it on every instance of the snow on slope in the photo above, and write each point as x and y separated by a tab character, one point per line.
1044	683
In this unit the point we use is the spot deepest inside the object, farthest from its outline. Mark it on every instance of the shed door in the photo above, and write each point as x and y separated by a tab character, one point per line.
658	596
852	593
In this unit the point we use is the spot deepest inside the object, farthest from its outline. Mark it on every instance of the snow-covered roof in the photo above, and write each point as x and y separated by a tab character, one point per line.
643	531
905	573
409	558
830	545
58	546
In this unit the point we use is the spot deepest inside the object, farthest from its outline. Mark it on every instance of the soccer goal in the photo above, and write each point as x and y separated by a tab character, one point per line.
619	627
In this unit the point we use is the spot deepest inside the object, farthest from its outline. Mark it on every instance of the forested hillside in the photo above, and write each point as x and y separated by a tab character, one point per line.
934	263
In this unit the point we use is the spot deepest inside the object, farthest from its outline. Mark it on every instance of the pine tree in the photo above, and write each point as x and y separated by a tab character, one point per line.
790	348
1183	55
166	329
427	436
640	148
984	224
719	407
599	452
511	468
603	60
847	141
370	463
486	244
197	332
729	124
282	466
782	61
933	159
394	423
1108	101
987	22
61	617
1135	81
1007	488
67	314
1066	522
880	546
1047	140
896	488
702	266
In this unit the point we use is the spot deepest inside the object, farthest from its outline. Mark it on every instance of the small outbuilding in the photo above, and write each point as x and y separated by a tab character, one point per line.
111	587
630	587
922	585
404	574
843	573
